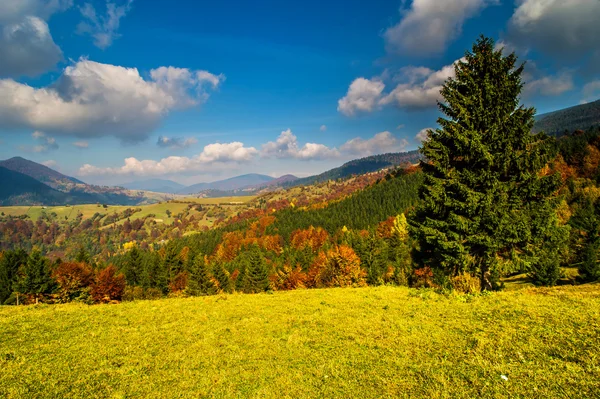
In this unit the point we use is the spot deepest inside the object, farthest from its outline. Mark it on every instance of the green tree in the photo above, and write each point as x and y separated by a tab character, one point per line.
222	277
484	198
10	262
133	266
35	277
200	281
257	276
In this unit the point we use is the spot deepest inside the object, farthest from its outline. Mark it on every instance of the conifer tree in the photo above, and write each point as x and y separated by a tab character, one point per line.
35	277
485	201
10	262
257	275
200	280
133	266
222	277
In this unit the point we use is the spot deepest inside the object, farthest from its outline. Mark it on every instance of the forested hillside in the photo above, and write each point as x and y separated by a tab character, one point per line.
579	117
361	166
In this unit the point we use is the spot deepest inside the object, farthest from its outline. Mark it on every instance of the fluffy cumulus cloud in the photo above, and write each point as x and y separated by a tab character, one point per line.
429	25
380	143
102	28
423	134
26	45
286	146
44	143
92	99
363	95
591	91
175	142
213	155
415	87
540	83
81	144
565	29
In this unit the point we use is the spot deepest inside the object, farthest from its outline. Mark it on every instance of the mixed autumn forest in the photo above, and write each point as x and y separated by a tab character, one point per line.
488	201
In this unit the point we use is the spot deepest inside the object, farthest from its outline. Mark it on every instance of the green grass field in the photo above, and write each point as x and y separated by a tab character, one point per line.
382	342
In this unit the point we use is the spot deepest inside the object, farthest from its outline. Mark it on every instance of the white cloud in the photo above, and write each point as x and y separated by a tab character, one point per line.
363	95
549	85
92	99
103	28
286	146
175	142
565	29
51	163
213	155
44	143
26	44
423	134
81	144
429	25
400	126
591	91
419	88
323	128
380	143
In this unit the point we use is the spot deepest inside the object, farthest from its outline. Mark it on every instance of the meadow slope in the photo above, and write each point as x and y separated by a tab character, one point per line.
367	343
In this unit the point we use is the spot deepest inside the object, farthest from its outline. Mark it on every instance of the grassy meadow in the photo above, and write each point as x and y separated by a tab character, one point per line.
69	213
356	343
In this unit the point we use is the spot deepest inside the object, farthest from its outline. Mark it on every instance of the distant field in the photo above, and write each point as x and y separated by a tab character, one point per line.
382	342
159	209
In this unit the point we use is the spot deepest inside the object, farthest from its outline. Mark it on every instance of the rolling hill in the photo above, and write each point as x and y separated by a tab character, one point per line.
569	119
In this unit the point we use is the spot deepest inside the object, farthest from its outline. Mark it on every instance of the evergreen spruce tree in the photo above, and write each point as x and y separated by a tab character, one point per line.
484	201
172	263
257	275
222	277
133	266
35	278
200	280
83	256
10	262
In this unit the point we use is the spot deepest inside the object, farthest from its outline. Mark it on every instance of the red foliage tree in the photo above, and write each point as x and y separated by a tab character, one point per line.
109	286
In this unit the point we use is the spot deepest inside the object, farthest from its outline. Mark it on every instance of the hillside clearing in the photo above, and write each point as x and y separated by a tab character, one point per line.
367	343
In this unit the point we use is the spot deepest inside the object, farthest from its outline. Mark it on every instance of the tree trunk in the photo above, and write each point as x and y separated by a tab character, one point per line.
486	283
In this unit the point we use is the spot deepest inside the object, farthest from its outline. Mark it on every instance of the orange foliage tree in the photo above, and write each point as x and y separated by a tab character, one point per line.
74	279
339	268
311	237
109	285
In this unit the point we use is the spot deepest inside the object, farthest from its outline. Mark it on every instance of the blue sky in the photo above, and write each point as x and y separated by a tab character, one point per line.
194	91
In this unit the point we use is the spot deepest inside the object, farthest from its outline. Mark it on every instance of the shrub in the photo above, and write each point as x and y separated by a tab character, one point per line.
289	278
108	286
423	278
466	284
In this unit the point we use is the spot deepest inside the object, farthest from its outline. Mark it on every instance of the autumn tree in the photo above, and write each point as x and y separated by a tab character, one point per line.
109	285
74	280
485	201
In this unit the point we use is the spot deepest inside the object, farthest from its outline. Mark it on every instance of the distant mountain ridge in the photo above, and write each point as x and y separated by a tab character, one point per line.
19	189
156	185
39	172
579	117
231	184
